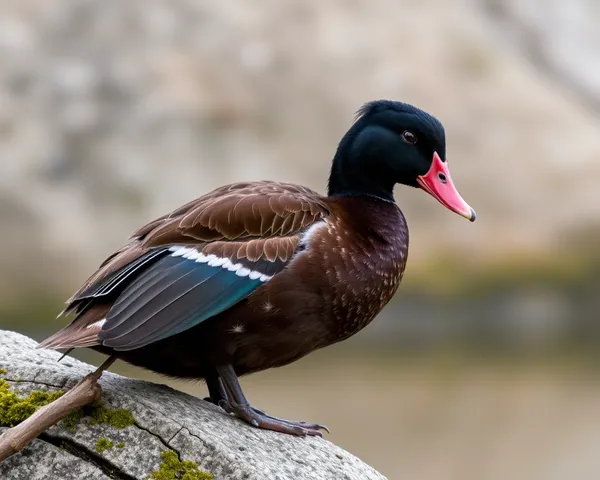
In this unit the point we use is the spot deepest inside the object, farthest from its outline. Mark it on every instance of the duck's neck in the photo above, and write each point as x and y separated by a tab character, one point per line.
373	221
352	174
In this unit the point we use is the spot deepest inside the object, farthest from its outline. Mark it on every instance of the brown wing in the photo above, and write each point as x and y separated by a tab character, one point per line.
256	226
239	220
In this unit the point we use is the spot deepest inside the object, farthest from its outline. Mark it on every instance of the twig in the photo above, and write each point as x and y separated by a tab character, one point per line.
84	393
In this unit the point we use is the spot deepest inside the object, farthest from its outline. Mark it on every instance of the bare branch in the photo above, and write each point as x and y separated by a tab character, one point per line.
87	391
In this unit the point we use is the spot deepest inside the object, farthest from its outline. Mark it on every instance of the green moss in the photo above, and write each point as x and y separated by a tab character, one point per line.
172	468
103	443
118	417
14	410
120	444
3	371
72	419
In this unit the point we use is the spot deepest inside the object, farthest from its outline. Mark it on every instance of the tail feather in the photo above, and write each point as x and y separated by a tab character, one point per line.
69	350
81	332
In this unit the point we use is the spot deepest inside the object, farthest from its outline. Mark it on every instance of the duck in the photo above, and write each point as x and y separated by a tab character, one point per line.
256	275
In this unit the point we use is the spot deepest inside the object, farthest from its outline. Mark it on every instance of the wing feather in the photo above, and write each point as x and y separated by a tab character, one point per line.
148	293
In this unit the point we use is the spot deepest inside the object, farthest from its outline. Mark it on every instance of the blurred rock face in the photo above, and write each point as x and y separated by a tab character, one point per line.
114	112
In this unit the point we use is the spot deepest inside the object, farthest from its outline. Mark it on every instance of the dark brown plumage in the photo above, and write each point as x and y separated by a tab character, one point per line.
256	275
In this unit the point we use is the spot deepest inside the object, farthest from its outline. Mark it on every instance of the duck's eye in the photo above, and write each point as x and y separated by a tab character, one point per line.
409	137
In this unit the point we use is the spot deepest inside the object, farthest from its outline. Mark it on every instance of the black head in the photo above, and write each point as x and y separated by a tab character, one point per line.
389	143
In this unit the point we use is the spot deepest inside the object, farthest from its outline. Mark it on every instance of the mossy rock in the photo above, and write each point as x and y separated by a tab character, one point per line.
14	409
172	468
128	435
104	443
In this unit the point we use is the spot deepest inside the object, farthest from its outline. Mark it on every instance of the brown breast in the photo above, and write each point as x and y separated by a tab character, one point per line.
362	251
348	267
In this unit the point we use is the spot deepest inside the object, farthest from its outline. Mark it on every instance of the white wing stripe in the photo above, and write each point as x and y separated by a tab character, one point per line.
214	261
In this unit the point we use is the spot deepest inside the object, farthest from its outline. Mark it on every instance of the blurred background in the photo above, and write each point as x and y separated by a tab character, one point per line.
485	365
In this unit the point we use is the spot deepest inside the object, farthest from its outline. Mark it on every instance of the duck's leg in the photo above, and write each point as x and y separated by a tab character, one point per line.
237	404
216	391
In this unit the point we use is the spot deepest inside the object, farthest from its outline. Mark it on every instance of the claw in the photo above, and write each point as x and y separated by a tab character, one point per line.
314	433
314	426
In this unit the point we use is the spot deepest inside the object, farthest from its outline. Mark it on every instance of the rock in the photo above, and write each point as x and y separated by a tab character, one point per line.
165	419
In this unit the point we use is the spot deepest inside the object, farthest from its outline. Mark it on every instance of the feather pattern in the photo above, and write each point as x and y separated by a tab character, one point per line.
188	266
185	294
